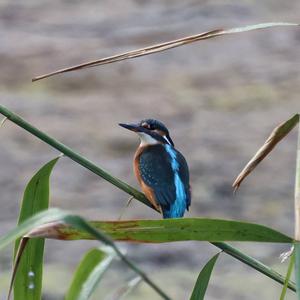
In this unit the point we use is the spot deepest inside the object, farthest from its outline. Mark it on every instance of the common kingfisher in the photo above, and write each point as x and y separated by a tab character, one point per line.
160	169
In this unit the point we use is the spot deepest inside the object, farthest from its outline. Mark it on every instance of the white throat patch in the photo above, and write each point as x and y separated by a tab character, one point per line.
168	141
147	139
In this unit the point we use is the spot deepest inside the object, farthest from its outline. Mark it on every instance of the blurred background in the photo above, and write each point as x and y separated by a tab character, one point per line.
219	98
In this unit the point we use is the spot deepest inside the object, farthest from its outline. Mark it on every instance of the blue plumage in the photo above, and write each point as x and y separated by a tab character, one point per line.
161	170
165	170
177	208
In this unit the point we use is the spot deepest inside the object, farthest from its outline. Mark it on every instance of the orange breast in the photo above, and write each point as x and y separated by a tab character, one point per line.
147	190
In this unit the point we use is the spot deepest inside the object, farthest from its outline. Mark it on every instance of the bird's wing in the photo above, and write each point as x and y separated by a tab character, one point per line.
157	171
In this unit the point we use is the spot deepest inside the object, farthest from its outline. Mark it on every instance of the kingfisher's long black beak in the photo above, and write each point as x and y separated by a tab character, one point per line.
133	127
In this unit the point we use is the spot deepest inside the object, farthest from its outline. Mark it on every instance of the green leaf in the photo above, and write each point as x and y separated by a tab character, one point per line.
288	276
89	273
203	279
297	267
50	215
85	226
253	263
297	218
173	230
34	225
145	230
29	272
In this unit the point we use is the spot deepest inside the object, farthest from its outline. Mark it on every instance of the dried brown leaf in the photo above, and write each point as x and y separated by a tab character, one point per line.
163	47
275	137
21	249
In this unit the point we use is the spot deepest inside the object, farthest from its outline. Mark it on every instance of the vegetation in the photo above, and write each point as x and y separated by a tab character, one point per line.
37	222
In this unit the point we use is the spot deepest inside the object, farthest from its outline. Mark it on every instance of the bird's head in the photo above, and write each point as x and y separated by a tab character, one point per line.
150	132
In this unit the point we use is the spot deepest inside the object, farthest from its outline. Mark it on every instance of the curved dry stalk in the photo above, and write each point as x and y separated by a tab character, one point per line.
275	137
163	47
19	253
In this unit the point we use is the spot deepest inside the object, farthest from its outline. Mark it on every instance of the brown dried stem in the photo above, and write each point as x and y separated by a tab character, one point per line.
163	47
275	137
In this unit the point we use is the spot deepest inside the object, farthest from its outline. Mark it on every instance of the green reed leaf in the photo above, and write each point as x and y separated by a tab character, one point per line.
89	272
203	279
28	269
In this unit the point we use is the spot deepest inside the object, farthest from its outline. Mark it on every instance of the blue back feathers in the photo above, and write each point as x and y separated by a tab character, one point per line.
177	208
165	170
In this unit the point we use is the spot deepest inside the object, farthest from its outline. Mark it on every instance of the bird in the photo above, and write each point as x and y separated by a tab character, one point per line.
160	169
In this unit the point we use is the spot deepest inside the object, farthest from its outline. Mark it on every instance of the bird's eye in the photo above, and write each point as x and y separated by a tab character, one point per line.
148	126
